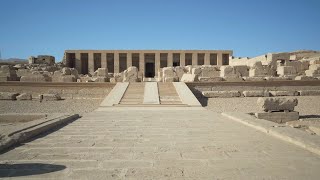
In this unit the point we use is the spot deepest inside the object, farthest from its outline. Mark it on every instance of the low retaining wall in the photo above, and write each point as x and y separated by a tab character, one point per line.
65	90
197	88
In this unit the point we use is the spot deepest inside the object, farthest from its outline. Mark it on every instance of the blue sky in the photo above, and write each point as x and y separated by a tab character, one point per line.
249	27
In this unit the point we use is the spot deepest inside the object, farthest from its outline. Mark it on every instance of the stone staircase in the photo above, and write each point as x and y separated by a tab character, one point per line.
168	94
150	94
133	95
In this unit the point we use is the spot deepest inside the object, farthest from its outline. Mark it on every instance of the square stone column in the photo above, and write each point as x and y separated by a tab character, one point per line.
170	60
90	63
207	59
194	59
78	62
141	63
157	63
219	59
116	62
129	60
182	59
104	60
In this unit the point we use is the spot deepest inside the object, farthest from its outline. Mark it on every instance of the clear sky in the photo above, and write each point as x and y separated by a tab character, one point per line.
249	27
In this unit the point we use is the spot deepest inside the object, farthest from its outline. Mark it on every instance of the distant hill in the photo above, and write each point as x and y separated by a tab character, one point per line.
13	61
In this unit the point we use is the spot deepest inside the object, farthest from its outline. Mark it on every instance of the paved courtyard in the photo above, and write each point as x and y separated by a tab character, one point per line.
148	144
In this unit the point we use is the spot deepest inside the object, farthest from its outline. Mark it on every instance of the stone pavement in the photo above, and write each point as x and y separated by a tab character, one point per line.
158	144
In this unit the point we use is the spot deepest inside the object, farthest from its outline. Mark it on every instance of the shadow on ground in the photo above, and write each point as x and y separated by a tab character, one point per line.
27	169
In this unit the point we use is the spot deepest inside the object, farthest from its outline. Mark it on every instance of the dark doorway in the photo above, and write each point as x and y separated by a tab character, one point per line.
149	70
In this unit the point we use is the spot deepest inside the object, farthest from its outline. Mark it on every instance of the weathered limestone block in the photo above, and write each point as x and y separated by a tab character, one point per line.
253	78
66	78
228	71
284	93
86	79
286	70
103	72
233	79
309	93
118	77
210	79
169	75
277	104
259	70
242	70
314	67
8	96
180	71
8	73
130	75
23	72
277	78
256	93
36	78
100	79
304	78
278	117
171	79
50	97
223	94
66	71
189	78
24	96
210	71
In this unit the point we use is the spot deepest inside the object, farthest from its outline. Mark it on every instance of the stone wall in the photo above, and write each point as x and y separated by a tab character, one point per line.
65	90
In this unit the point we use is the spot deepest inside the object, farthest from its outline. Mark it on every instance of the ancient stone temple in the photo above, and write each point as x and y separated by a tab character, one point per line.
147	61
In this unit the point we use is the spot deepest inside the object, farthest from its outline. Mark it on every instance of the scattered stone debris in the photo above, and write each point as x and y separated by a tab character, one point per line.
278	110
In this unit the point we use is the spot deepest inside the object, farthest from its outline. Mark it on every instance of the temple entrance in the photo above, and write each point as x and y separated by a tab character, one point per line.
149	70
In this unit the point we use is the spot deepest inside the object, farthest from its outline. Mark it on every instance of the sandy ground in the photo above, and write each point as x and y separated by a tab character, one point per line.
79	106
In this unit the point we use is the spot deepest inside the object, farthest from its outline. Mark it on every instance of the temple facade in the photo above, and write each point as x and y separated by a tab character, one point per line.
147	61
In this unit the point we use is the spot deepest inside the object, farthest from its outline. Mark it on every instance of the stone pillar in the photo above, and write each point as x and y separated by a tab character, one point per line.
182	59
194	59
129	59
141	63
116	62
157	63
207	59
104	60
170	60
219	59
78	62
90	63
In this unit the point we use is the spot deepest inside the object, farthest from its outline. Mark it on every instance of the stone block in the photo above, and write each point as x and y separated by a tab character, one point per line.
277	104
179	71
66	71
171	79
253	79
210	79
228	71
131	74
210	71
304	78
35	78
284	93
168	72
286	70
277	78
242	70
102	72
24	96
100	79
233	79
223	94
278	117
50	97
8	96
64	78
309	93
189	78
256	93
